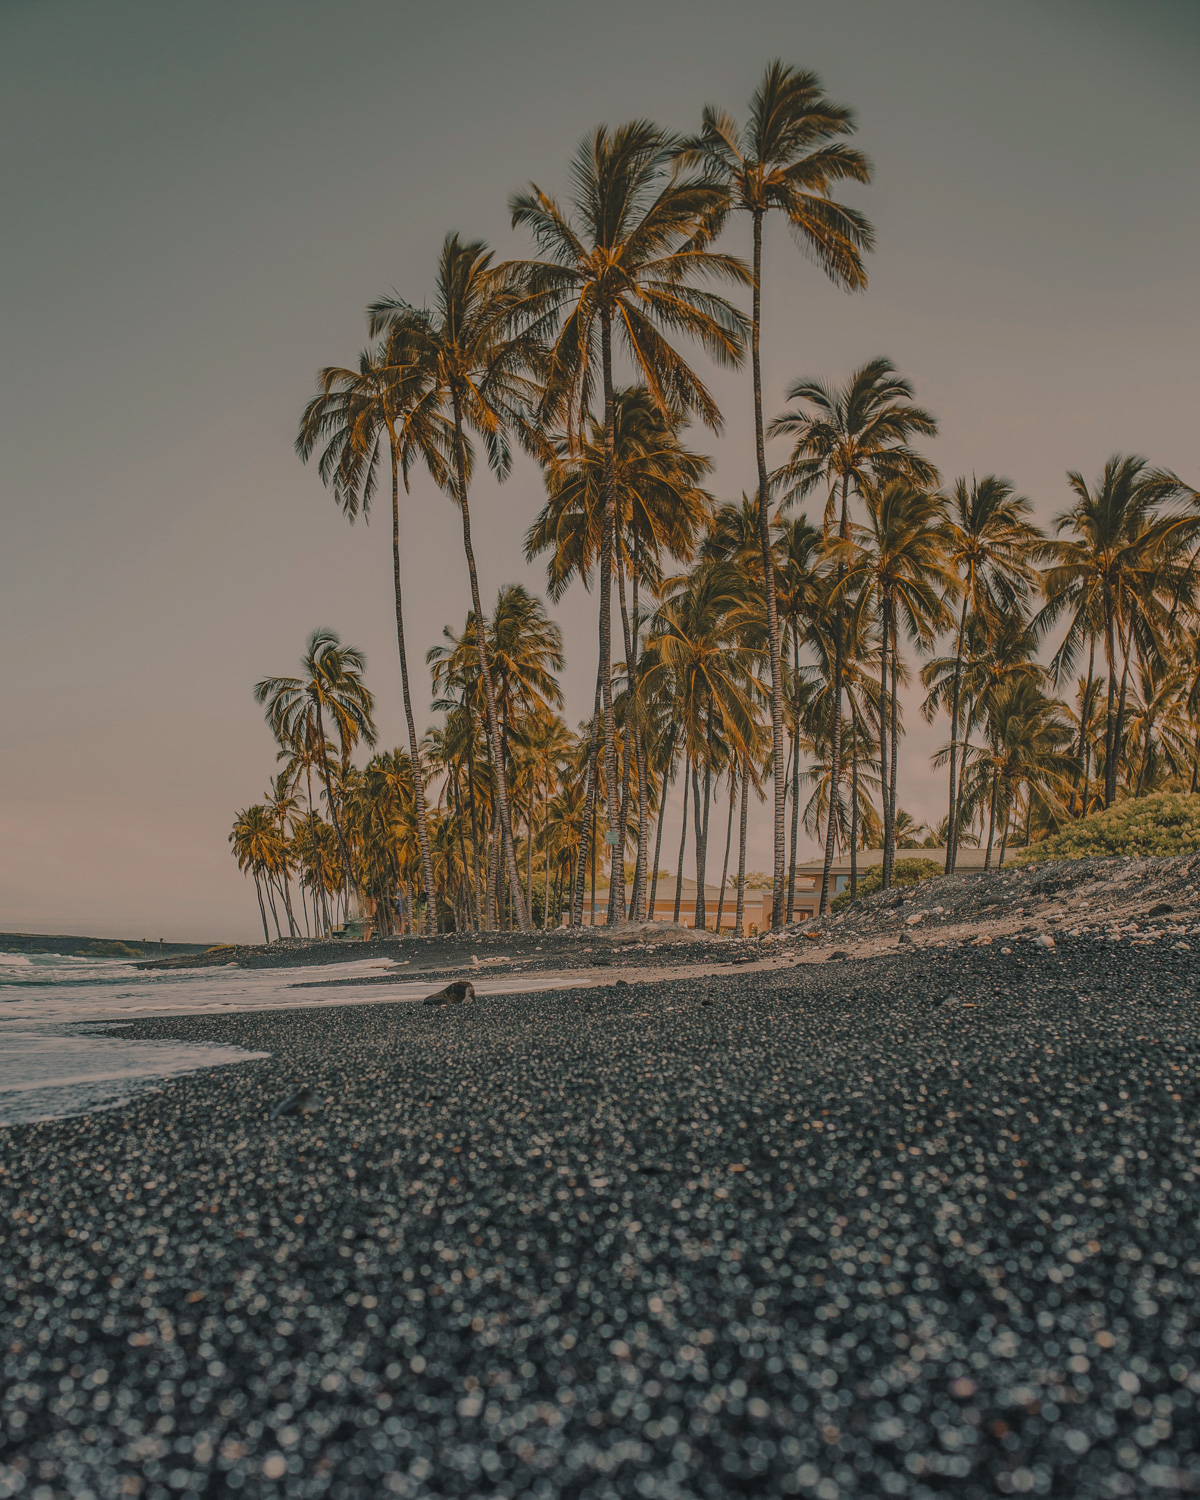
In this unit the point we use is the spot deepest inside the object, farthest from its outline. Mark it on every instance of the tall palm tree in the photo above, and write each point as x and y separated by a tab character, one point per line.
331	685
989	543
1120	567
623	267
358	414
475	365
784	159
661	512
900	559
255	843
850	438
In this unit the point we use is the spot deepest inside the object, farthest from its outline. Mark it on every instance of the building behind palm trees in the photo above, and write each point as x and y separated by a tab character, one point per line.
757	904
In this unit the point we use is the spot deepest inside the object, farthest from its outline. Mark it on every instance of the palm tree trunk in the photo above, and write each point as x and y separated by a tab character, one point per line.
1119	726
1110	760
764	539
885	622
1084	708
616	887
459	821
1004	837
271	903
835	729
987	858
795	839
687	764
739	916
662	816
728	842
414	752
1028	814
347	873
853	805
589	806
262	911
700	818
952	811
890	853
485	671
633	730
593	845
476	891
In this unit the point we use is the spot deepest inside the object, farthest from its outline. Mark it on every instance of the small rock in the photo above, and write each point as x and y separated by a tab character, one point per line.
1163	909
455	993
302	1102
1043	940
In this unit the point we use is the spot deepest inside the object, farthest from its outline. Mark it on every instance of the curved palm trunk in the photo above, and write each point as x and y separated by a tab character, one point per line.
764	539
413	749
739	916
612	787
477	892
485	671
952	811
262	911
987	858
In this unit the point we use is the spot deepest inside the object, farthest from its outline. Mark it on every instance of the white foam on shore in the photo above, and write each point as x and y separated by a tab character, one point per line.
51	1066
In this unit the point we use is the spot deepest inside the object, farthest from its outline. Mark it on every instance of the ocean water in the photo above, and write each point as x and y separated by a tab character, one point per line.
61	1051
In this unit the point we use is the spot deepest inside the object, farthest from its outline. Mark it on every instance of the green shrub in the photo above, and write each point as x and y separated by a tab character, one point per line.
1164	824
905	872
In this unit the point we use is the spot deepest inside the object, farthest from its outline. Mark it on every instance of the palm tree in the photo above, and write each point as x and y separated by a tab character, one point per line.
852	437
900	560
357	413
784	159
661	512
473	361
1119	570
623	266
282	805
695	646
331	685
989	542
255	843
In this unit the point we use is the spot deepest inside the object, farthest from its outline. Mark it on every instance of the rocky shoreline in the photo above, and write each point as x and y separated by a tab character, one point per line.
915	1224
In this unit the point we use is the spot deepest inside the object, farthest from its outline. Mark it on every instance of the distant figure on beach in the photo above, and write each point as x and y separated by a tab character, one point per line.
455	993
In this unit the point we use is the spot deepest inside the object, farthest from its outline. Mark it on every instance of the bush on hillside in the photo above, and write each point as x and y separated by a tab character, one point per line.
1164	824
905	872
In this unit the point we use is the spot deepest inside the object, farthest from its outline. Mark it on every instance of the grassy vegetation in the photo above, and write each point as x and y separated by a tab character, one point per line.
907	872
1164	824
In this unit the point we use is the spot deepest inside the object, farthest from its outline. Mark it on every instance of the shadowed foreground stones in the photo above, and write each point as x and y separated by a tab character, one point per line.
923	1226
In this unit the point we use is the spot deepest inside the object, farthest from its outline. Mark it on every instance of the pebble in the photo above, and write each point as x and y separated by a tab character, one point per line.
814	1236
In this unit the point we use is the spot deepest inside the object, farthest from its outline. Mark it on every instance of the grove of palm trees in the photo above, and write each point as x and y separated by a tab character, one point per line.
765	645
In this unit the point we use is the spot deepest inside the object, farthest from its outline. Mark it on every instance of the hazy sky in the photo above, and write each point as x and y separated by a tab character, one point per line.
199	201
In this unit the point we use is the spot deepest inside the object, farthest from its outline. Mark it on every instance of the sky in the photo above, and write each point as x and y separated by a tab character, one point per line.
199	202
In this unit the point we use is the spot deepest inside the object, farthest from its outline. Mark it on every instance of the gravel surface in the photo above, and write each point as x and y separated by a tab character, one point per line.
923	1224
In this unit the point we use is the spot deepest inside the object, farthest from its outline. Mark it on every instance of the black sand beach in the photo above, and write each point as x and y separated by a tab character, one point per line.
923	1224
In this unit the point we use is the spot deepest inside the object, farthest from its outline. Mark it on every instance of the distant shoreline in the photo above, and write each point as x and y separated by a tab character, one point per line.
73	946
